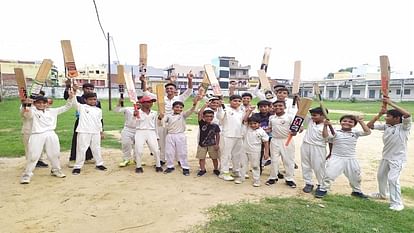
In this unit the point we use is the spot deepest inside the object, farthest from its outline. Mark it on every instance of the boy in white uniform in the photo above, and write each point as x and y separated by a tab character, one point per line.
147	133
90	132
43	136
176	141
279	125
394	154
343	156
313	150
231	137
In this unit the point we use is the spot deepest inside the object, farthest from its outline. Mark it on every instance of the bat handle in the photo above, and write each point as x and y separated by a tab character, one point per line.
295	99
122	97
289	139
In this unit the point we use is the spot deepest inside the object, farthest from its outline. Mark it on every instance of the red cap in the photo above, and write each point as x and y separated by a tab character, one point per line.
146	99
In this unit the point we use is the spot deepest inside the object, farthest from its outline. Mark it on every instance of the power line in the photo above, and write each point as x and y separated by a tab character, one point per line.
99	21
116	52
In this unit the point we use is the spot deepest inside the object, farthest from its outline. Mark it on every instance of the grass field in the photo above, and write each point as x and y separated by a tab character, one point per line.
10	136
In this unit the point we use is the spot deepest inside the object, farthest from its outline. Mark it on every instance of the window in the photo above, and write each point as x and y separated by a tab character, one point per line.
331	94
407	91
224	74
398	91
232	72
224	85
371	94
356	92
244	72
97	72
224	63
91	71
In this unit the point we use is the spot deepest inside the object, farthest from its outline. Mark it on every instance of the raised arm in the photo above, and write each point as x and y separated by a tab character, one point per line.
396	107
247	113
325	132
370	124
192	109
366	129
69	104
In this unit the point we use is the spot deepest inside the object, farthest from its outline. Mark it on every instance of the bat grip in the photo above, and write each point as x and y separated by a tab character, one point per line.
289	139
295	99
122	99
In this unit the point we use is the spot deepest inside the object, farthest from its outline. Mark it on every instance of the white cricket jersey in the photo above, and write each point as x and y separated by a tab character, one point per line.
280	125
169	102
90	118
26	123
253	138
130	119
313	135
147	121
344	142
45	120
231	121
176	123
395	139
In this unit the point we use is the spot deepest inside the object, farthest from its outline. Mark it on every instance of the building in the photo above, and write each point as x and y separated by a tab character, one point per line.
228	70
181	71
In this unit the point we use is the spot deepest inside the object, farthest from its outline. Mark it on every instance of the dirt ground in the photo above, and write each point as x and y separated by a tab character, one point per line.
118	200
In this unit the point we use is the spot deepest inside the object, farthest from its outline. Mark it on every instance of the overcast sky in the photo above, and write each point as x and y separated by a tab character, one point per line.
324	35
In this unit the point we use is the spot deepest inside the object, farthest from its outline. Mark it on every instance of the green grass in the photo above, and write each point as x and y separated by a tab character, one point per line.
408	192
340	214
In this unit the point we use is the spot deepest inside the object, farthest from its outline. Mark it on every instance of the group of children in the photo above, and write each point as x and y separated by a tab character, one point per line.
235	137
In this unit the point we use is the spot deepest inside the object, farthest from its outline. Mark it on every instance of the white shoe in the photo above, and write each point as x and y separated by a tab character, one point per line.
57	173
25	179
256	183
246	176
377	196
397	207
226	176
238	181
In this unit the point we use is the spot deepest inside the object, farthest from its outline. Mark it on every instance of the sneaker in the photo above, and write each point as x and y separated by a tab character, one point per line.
308	188
235	174
169	170
57	173
280	175
291	184
142	163
377	196
256	183
101	167
25	179
397	207
158	169
296	166
186	171
201	173
238	181
268	162
359	194
216	172
246	176
226	176
139	170
320	193
271	182
41	164
76	171
125	163
71	163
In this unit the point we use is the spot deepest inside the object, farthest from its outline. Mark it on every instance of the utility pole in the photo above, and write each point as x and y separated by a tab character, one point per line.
109	73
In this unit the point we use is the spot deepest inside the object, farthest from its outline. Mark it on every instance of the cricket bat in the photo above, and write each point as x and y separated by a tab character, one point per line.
211	75
264	81
132	94
21	84
265	60
385	77
319	98
121	81
303	108
143	59
41	76
160	89
69	59
296	81
204	84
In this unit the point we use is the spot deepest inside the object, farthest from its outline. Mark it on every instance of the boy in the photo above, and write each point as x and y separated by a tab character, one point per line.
263	116
394	154
231	140
208	142
147	133
246	99
212	104
90	132
254	138
313	150
176	141
343	156
43	136
279	126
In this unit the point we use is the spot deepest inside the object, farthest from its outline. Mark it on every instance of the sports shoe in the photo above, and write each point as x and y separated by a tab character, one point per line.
25	179
41	164
396	207
158	169
216	172
186	171
71	163
101	167
238	181
271	182
235	174
57	173
291	184
268	162
280	175
377	196
246	176
226	176
142	163
76	171
308	188
201	173
320	193
256	183
139	170
125	163
359	194
169	170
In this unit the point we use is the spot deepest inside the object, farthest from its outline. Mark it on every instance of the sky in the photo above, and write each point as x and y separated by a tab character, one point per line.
326	35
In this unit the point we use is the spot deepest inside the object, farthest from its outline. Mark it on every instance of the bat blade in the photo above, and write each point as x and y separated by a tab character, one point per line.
385	76
319	98
265	60
132	94
69	59
160	98
303	108
209	70
143	59
296	81
21	83
41	76
264	81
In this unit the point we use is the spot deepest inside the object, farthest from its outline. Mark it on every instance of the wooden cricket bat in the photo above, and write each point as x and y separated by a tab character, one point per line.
21	84
204	84
132	93
303	108
160	89
41	76
319	98
120	79
265	60
211	75
296	81
385	77
143	59
264	81
69	59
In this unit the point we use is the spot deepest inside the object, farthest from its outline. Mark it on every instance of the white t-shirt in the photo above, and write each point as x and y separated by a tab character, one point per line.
253	138
90	118
313	134
176	123
231	121
169	102
130	120
280	125
344	142
147	121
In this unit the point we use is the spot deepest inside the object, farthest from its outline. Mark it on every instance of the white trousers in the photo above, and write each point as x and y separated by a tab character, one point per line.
176	147
26	137
313	158
287	153
85	140
230	150
162	133
388	176
149	137
252	159
36	143
127	142
338	165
